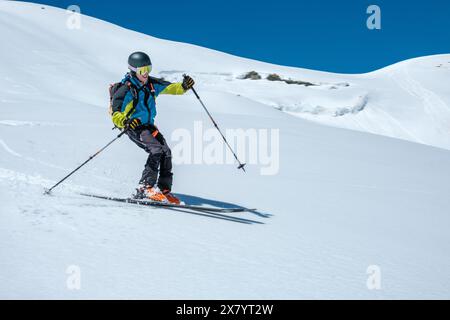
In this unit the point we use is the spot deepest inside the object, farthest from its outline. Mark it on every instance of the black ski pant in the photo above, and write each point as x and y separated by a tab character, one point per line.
159	156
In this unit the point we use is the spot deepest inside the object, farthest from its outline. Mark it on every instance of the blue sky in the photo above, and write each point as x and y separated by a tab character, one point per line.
323	34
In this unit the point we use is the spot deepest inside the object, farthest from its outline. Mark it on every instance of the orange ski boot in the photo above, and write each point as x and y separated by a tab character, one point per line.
151	193
170	197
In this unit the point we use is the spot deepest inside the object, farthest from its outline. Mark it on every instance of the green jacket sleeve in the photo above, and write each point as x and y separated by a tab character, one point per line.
119	118
174	88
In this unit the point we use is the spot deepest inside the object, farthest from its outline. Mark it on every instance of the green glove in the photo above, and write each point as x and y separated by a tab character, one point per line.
119	119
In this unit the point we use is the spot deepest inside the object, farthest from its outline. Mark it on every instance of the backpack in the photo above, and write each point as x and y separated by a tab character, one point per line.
134	91
114	87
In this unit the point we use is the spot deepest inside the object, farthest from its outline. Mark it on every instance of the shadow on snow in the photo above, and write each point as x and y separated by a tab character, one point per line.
198	201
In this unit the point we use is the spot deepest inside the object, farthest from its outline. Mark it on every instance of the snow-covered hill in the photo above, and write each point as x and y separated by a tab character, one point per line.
339	202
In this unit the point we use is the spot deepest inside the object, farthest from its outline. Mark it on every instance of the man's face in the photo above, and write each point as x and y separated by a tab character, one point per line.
142	77
142	73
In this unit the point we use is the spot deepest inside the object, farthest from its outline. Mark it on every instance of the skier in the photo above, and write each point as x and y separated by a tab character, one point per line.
133	107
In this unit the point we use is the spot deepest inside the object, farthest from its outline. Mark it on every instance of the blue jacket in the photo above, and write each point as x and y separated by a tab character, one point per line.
143	96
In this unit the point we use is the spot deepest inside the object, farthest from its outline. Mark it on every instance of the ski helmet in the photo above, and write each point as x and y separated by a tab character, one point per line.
138	59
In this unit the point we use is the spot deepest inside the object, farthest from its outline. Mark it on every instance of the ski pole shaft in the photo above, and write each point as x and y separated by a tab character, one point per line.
241	165
81	165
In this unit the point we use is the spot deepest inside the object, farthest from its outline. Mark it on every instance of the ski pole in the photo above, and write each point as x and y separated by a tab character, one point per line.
241	165
47	191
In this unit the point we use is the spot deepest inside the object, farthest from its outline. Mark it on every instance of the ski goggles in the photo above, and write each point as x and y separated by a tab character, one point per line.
141	70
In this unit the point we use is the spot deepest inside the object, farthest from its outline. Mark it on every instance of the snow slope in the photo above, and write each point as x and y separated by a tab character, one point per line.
343	200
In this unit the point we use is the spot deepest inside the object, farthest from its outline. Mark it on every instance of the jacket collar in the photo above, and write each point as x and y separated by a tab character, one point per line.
134	80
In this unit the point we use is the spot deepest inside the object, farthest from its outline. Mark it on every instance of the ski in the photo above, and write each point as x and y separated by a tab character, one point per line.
168	205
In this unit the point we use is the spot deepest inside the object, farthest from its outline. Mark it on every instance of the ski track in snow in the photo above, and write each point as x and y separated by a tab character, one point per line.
46	164
33	160
433	105
38	180
14	176
399	125
19	123
8	149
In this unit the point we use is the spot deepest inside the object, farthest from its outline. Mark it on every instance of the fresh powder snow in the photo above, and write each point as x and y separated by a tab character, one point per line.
354	203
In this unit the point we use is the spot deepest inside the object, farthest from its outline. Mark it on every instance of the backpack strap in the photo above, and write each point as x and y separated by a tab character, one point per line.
152	90
135	93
